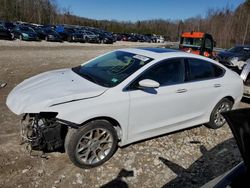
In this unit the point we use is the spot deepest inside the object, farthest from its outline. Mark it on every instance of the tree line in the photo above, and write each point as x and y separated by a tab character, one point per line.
228	27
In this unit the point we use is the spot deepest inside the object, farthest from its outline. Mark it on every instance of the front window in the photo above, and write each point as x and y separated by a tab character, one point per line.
192	42
111	69
169	72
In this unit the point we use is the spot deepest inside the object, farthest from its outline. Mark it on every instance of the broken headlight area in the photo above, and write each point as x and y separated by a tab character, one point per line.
43	132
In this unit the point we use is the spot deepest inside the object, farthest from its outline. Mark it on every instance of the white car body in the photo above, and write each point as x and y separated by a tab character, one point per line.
140	114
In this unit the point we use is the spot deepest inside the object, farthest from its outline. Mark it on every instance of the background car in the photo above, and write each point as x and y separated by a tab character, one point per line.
122	97
105	38
51	35
89	36
69	34
5	33
237	53
25	33
40	32
8	25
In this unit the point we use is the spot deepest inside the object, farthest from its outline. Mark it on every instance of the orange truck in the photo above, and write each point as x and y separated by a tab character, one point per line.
197	43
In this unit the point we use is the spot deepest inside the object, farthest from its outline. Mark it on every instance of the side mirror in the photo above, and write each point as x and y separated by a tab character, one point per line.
214	44
147	83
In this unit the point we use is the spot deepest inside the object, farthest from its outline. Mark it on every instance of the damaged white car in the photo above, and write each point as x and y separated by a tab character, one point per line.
122	97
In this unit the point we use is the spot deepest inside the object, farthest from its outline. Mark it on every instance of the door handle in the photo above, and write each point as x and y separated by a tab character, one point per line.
217	85
181	91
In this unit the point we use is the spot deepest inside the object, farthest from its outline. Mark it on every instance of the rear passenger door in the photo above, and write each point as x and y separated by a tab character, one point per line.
204	84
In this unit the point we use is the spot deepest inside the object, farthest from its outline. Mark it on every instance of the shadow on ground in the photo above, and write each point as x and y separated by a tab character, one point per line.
213	163
118	182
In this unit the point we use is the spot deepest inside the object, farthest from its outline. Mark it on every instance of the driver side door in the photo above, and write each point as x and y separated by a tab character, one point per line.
155	111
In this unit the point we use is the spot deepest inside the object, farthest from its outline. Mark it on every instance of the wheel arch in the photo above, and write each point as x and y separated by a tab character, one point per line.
230	98
111	120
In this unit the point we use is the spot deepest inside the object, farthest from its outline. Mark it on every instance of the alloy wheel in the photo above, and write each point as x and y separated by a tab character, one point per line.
218	118
94	146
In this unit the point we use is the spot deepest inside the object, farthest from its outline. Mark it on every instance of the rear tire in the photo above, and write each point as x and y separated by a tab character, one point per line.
216	119
91	145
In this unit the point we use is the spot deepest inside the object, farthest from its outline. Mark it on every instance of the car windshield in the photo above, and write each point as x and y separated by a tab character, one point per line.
50	31
111	69
89	33
26	29
192	42
236	49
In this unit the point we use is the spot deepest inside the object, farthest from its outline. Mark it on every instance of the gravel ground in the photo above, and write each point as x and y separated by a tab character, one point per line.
187	158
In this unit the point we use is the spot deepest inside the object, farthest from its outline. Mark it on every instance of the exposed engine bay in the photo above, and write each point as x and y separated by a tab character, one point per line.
42	132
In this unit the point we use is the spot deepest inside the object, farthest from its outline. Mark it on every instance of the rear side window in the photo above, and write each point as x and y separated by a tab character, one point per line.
208	43
203	70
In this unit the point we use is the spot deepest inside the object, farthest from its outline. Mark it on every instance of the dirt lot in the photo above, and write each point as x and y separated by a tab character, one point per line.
188	158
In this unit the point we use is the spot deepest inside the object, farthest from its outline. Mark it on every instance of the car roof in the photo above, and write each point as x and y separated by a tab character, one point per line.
160	53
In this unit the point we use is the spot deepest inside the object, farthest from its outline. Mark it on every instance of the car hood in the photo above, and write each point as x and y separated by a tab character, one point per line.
50	88
28	32
226	54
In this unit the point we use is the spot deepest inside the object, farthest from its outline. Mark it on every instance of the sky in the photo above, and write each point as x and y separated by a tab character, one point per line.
134	10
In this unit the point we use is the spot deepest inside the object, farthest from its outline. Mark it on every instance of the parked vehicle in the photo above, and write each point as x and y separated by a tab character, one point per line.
122	97
118	36
239	123
160	39
8	25
105	38
51	35
89	36
230	57
246	78
40	32
152	37
197	43
5	33
25	33
70	34
142	38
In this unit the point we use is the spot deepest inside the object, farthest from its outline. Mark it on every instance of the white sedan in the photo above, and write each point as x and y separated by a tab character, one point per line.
122	97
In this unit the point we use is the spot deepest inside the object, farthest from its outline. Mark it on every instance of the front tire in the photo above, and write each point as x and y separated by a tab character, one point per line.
91	145
216	119
21	37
